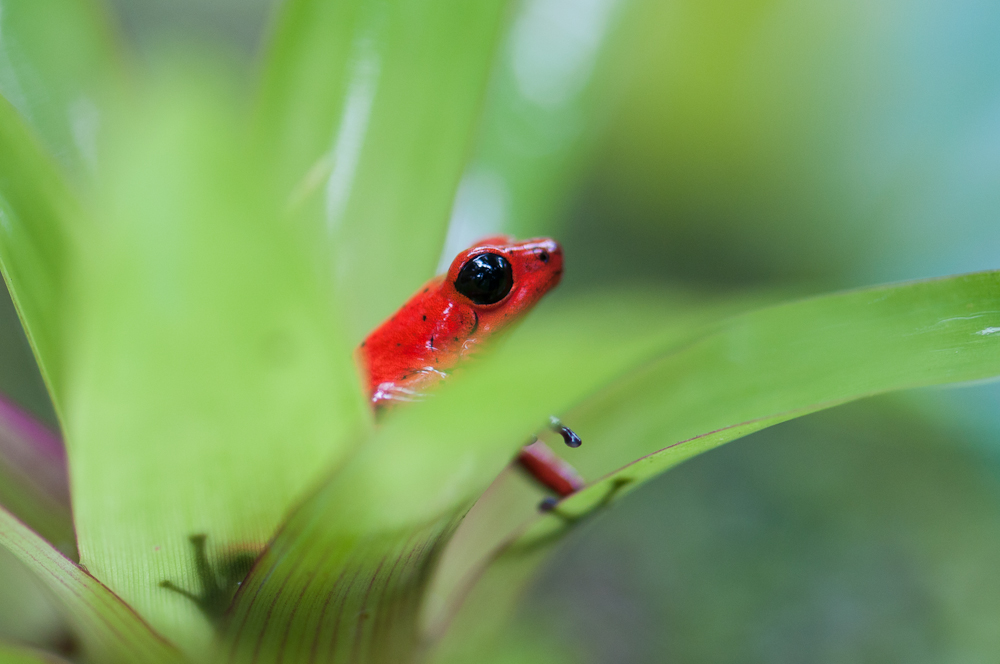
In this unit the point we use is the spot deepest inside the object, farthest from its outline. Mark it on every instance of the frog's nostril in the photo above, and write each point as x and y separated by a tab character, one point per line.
543	256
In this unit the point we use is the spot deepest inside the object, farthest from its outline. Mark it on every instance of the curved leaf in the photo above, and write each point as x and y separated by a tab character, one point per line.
763	368
109	629
367	110
36	211
210	385
377	528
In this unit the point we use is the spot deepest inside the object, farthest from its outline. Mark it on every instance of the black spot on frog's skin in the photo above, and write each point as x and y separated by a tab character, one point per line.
218	584
426	289
424	316
455	338
398	344
543	256
363	343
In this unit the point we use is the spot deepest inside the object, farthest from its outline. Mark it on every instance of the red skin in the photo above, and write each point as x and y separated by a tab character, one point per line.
439	327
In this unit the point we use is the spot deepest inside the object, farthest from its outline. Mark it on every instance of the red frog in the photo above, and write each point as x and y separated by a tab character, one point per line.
488	288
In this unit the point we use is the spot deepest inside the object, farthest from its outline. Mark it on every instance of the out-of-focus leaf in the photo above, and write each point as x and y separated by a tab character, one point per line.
367	110
11	654
739	554
108	628
55	59
29	614
35	215
541	113
210	385
787	360
767	367
353	564
33	482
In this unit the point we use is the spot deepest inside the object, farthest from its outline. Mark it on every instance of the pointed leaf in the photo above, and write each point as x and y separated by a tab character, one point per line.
210	386
763	368
371	106
35	215
368	542
109	629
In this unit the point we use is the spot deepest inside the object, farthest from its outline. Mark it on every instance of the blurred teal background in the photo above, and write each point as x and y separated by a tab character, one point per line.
714	144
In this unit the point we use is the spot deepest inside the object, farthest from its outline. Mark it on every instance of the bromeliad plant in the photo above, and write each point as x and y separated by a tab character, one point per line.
193	265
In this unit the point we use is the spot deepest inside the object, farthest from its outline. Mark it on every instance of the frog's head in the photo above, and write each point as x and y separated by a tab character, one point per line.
501	279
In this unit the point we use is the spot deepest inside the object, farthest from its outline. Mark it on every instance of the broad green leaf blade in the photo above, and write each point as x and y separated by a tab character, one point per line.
211	386
33	481
36	211
767	367
786	360
11	654
353	597
109	629
421	471
56	57
370	107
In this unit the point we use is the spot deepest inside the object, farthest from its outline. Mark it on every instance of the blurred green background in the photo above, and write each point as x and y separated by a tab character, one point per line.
713	145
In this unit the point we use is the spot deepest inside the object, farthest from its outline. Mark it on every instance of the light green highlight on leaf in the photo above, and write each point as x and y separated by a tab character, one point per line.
56	59
368	110
211	386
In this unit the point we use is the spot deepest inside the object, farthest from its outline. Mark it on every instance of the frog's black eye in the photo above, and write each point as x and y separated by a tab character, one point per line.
486	279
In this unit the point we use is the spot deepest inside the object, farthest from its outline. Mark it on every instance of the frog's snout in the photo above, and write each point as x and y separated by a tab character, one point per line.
549	254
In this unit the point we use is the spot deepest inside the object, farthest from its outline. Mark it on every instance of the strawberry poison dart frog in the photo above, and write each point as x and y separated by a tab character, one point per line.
488	288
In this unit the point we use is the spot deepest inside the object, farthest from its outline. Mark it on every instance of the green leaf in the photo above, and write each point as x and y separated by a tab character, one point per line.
11	654
56	57
368	110
210	383
35	215
347	575
33	482
763	368
541	114
109	629
351	596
